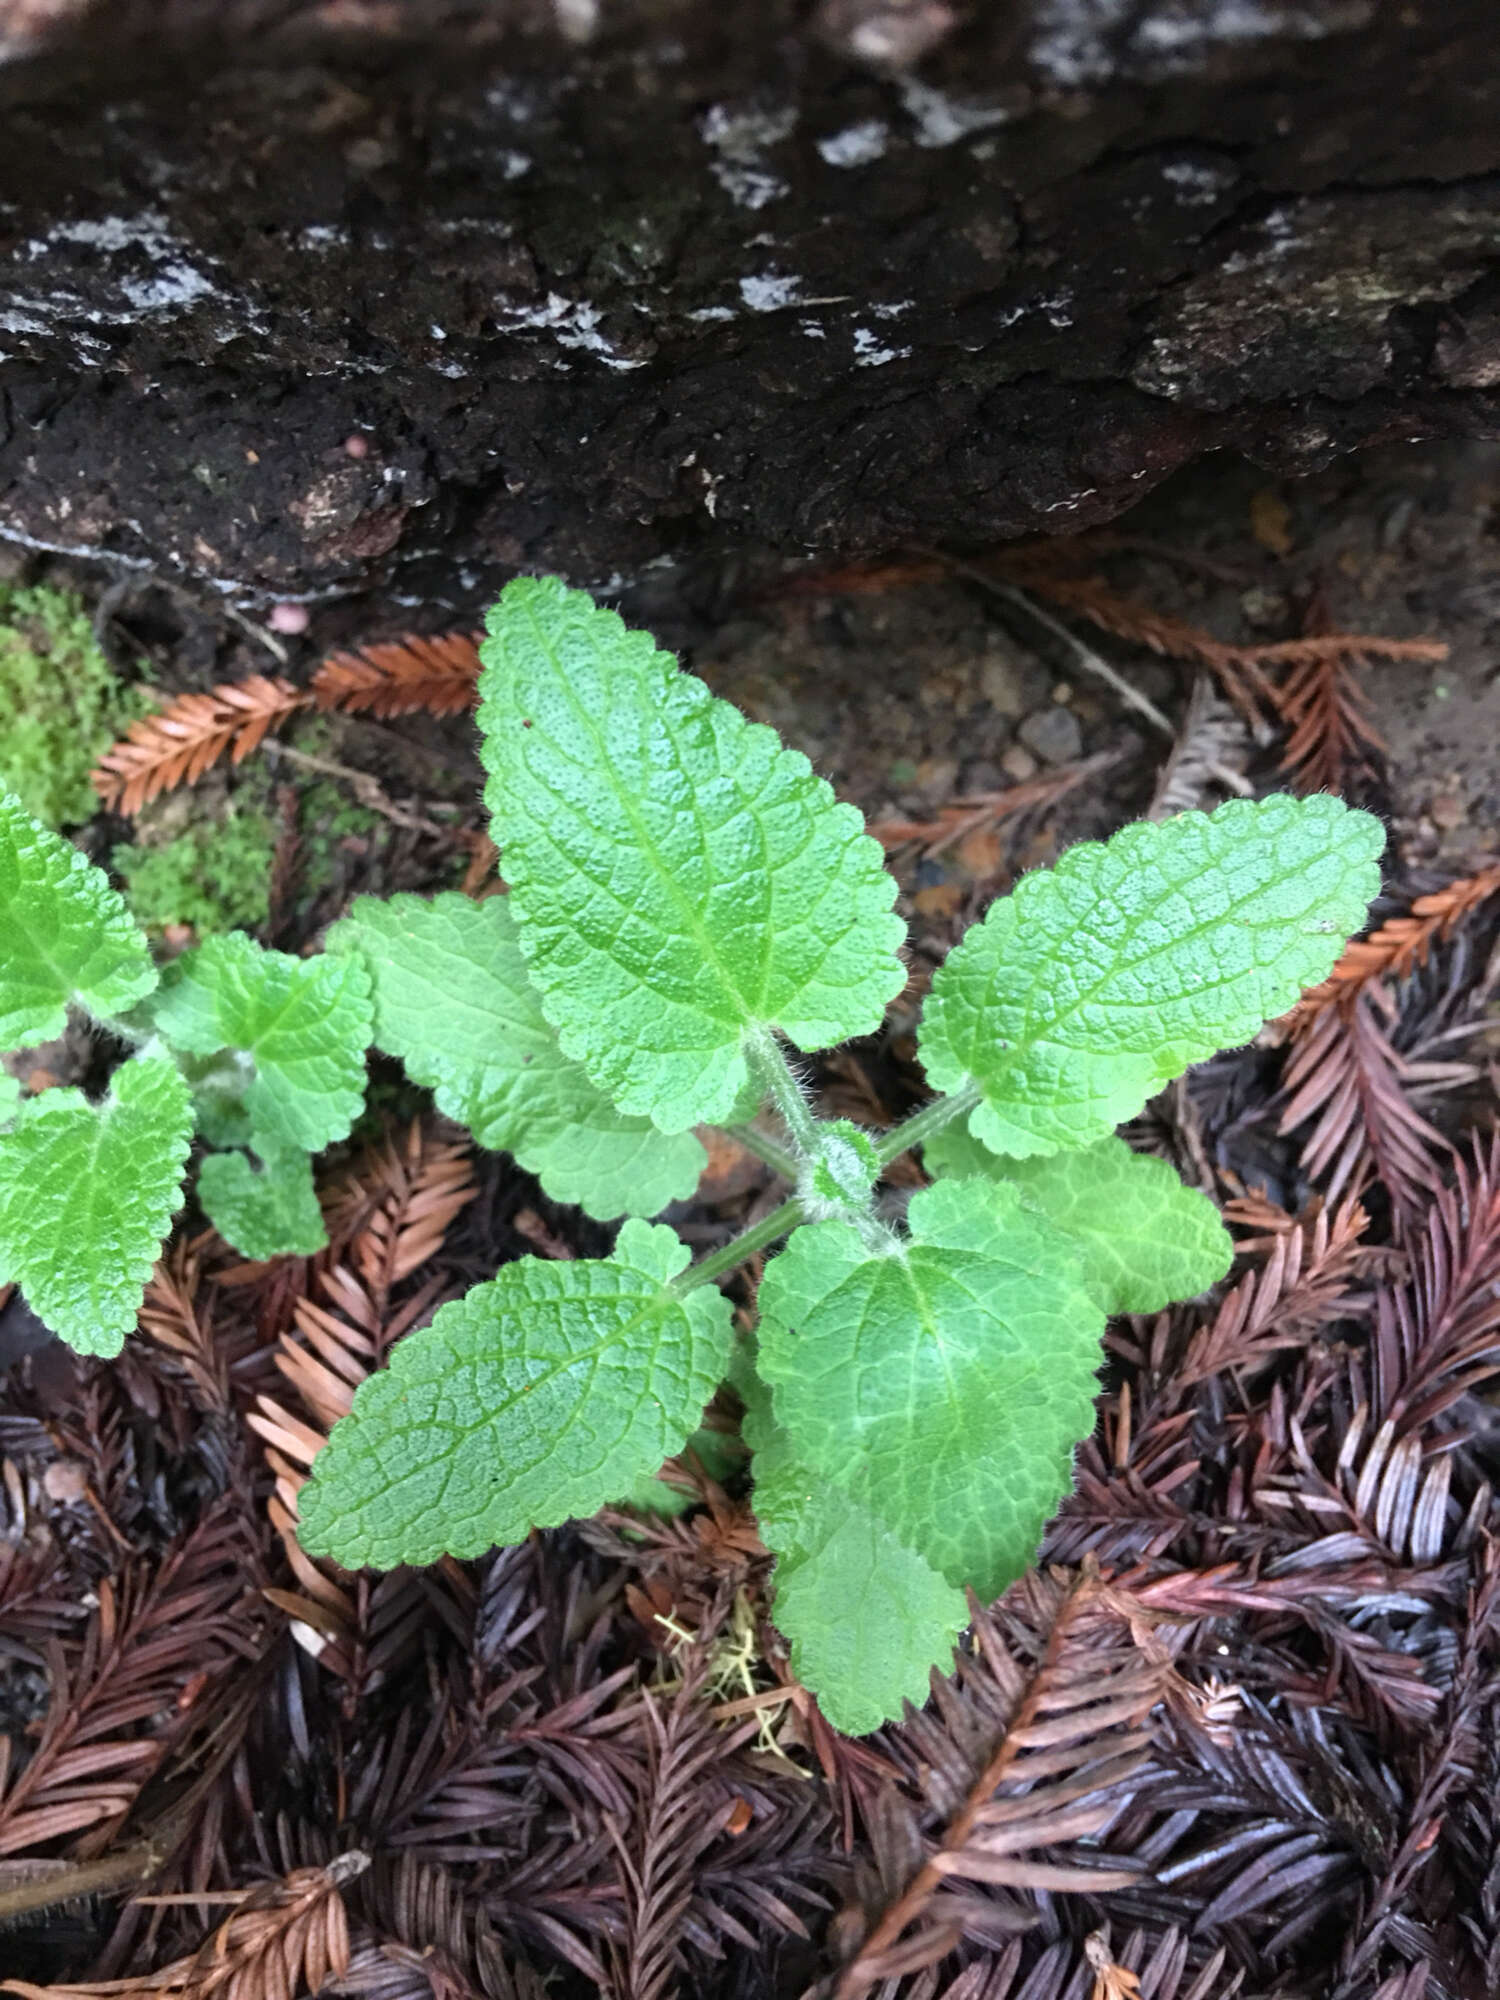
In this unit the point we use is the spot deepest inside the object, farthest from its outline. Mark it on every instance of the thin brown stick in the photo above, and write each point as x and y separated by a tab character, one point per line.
368	790
964	815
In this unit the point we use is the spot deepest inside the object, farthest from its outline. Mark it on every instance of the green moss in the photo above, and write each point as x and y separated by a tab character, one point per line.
61	705
213	876
326	815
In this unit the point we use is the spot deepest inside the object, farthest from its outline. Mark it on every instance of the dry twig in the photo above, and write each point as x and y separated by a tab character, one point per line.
286	1938
1064	1731
1303	1285
984	809
1401	945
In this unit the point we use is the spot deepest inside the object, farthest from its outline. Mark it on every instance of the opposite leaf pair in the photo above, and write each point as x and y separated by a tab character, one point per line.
684	893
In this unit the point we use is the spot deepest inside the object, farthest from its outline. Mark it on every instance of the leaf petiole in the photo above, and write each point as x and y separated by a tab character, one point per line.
772	1069
781	1159
922	1125
781	1221
770	1227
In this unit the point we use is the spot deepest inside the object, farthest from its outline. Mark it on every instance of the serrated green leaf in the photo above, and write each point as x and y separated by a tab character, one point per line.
65	935
306	1022
535	1398
945	1384
679	877
1144	1238
453	1001
1097	981
866	1618
266	1211
87	1192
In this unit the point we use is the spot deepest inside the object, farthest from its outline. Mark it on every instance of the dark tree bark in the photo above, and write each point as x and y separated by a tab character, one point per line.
296	296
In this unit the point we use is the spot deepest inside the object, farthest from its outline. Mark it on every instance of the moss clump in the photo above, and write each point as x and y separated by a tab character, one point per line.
214	871
61	705
214	876
326	816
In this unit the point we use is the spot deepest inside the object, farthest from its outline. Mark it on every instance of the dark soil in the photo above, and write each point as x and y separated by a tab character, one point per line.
1288	1500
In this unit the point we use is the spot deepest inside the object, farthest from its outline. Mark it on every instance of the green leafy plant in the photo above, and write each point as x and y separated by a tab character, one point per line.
688	904
264	1054
61	703
686	901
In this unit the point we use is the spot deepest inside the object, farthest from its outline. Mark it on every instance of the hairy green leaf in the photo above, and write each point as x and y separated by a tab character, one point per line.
1144	1238
945	1383
10	1097
65	935
1097	981
867	1618
305	1022
453	1001
679	877
87	1192
266	1211
535	1398
842	1173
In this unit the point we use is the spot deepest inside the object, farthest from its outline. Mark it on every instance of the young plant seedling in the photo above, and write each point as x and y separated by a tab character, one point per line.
264	1054
688	903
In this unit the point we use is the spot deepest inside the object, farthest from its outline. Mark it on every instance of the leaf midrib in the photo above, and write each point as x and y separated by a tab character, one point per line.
647	846
69	986
1033	1034
589	1357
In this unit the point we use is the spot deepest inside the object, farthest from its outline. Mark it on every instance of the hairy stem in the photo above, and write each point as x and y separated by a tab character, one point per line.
924	1123
773	1070
781	1159
767	1230
921	1125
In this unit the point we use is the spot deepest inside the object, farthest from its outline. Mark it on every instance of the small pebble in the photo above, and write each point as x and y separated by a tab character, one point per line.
1053	735
1000	684
938	776
1062	694
356	445
1271	521
66	1480
980	854
938	900
1263	607
1448	809
980	774
289	618
1393	528
1018	764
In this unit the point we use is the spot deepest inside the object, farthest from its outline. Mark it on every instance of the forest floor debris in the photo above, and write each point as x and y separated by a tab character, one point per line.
1239	1732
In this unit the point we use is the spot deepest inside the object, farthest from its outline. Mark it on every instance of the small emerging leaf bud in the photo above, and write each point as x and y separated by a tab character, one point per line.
838	1179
